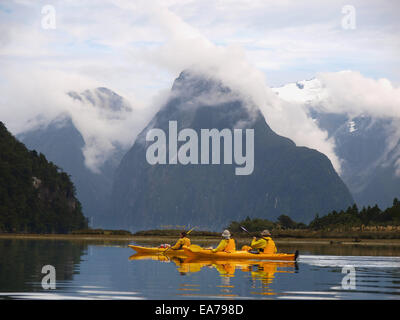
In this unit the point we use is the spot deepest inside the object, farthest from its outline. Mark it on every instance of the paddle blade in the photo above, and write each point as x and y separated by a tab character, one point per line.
244	229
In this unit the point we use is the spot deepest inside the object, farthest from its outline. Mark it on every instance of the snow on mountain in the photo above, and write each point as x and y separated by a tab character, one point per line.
352	126
366	143
305	91
298	181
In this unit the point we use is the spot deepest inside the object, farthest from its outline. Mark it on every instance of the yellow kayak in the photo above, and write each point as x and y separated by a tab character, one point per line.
237	255
156	250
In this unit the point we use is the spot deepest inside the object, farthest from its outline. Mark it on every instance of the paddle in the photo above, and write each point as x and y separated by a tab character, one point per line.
186	234
244	229
190	230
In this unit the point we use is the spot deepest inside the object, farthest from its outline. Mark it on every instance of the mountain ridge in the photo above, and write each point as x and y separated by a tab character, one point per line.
210	195
363	142
62	143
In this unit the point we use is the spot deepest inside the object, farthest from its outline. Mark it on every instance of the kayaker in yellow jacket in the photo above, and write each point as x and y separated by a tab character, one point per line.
264	244
227	244
183	241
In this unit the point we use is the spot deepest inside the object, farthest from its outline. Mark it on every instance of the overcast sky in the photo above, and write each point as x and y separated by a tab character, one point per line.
288	40
137	48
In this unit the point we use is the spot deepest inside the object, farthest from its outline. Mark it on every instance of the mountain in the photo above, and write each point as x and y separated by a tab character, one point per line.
35	196
62	143
367	145
103	99
369	162
286	179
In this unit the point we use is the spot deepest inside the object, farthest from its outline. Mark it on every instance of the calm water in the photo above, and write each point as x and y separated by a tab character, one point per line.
87	270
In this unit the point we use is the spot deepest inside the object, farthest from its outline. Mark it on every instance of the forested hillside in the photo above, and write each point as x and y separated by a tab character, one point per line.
35	195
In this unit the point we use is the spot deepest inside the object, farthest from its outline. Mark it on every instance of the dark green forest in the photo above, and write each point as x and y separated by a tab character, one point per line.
345	219
35	195
353	217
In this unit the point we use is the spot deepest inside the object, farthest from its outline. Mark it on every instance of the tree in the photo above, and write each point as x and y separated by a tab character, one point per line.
286	222
48	206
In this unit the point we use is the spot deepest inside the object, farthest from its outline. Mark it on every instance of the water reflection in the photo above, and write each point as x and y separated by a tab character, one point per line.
260	273
100	270
21	262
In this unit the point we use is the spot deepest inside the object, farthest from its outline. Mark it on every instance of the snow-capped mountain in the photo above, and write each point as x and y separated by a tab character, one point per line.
305	91
296	181
368	145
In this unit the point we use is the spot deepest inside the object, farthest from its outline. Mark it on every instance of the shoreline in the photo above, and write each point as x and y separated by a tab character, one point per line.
144	239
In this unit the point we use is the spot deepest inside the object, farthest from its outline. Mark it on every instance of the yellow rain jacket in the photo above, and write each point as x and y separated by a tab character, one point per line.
180	243
226	245
264	245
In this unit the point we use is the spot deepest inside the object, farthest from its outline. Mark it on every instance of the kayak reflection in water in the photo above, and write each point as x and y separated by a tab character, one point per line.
227	244
225	269
261	272
184	268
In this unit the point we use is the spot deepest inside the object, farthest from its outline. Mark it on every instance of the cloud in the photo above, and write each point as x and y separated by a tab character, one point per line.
186	48
36	100
137	49
39	88
352	94
291	40
29	92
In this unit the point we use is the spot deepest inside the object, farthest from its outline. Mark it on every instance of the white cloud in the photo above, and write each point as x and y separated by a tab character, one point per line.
352	94
138	48
186	48
41	97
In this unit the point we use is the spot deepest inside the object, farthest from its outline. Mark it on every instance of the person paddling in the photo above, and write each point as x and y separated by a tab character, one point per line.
183	241
227	244
264	244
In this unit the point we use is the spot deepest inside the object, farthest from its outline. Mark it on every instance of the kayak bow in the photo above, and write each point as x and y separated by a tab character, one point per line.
156	250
